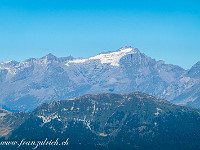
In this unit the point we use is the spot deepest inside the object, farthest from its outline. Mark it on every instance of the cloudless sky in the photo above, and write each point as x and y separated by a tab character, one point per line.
166	30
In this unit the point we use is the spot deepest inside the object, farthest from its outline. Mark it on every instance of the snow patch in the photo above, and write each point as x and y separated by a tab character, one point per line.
49	118
157	113
112	58
72	108
2	114
7	62
103	134
112	81
164	92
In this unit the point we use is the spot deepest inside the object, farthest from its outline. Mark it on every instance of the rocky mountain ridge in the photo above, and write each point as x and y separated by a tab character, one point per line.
26	85
109	121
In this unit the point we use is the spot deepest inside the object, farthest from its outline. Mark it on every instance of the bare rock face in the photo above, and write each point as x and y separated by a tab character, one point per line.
25	85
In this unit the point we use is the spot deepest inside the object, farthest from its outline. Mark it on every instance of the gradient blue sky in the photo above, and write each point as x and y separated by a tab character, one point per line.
166	30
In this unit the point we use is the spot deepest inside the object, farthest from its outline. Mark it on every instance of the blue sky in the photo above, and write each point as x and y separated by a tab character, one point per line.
165	30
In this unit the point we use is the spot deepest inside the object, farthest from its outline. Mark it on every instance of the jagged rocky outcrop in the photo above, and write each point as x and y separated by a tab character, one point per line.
25	85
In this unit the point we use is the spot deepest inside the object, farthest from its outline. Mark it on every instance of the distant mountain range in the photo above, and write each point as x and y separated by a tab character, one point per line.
106	121
26	85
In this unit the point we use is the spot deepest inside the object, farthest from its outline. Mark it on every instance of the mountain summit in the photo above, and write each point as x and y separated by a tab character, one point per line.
111	58
108	121
26	85
50	57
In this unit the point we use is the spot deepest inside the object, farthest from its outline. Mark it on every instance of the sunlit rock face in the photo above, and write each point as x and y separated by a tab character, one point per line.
25	85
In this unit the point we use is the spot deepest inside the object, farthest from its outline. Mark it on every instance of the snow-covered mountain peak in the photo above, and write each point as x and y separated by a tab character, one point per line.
8	64
111	58
25	85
